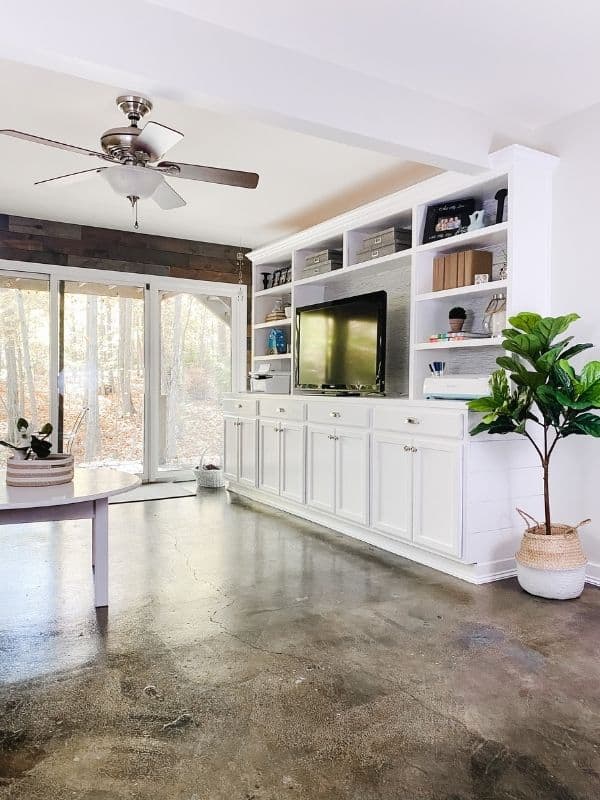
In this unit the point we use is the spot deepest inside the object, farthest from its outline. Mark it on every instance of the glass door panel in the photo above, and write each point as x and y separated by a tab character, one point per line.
24	353
102	369
195	372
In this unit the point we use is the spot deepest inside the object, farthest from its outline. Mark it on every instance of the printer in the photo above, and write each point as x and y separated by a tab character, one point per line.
456	387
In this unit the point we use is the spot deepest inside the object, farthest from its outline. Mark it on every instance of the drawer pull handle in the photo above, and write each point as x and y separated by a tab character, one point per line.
412	421
240	405
332	436
335	414
281	410
406	448
414	449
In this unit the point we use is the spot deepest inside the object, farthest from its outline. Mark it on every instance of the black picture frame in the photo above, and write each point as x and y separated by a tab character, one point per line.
447	219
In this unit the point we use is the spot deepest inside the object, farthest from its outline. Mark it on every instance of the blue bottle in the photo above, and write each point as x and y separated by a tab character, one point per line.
276	343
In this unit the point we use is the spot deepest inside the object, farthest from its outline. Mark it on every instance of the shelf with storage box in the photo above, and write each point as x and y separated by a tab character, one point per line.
512	253
274	357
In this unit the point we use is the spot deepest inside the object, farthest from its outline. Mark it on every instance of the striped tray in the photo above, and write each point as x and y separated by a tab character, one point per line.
56	469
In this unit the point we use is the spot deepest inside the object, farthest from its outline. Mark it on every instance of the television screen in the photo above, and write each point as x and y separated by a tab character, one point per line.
340	345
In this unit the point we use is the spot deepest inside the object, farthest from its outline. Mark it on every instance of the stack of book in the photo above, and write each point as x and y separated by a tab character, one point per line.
459	336
459	269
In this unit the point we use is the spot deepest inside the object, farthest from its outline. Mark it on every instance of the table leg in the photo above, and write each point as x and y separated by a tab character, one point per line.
100	551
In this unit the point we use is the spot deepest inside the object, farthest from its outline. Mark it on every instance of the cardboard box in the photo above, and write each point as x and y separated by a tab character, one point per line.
437	283
451	271
477	262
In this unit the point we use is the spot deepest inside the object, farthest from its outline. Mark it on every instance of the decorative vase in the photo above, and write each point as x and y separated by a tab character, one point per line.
456	325
56	469
276	343
551	566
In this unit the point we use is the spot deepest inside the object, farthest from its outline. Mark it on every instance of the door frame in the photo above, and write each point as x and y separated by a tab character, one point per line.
152	285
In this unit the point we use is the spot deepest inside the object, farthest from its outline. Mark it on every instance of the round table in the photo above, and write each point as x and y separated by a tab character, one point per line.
86	497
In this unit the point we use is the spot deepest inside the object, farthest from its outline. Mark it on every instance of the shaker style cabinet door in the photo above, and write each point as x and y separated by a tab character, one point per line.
268	455
230	448
292	452
320	468
247	451
352	475
437	471
392	485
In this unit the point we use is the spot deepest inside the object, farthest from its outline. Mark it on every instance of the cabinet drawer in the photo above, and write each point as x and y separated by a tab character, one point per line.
240	406
339	414
419	421
282	409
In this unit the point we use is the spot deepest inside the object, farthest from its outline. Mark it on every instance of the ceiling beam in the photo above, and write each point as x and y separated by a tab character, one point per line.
140	46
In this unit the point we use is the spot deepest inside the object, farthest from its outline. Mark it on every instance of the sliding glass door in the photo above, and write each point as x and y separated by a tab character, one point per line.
24	352
195	372
102	369
130	369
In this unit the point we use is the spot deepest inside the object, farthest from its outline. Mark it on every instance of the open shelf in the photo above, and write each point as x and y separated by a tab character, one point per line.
366	268
275	291
493	234
449	345
274	324
276	357
463	291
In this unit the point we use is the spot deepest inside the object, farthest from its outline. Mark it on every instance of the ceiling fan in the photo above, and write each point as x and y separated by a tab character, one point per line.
135	167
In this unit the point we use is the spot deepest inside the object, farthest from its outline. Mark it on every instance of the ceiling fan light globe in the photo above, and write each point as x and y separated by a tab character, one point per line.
129	181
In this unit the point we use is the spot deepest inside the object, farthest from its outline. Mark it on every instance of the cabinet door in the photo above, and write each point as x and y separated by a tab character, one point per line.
230	448
437	522
392	485
247	457
352	475
292	462
320	473
268	455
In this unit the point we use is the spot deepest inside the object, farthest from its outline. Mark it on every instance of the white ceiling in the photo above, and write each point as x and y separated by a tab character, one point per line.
530	61
302	179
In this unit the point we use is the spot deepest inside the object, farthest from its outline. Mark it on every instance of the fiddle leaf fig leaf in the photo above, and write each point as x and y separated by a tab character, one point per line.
525	321
590	374
586	424
549	327
577	348
528	345
483	404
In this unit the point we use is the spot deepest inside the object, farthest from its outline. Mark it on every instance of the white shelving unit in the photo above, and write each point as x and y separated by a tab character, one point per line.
523	239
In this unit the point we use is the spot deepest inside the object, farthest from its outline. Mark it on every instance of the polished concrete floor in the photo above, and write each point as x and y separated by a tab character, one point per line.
247	655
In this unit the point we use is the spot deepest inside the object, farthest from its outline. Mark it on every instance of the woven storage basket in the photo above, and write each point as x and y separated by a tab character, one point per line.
208	478
561	550
51	471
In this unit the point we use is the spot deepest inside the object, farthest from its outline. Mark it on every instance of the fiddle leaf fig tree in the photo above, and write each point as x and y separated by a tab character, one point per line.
545	393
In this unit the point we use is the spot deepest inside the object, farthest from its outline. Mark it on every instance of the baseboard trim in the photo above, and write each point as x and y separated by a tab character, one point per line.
592	573
472	573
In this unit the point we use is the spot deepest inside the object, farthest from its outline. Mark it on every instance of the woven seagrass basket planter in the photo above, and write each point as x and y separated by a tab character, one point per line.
52	471
551	566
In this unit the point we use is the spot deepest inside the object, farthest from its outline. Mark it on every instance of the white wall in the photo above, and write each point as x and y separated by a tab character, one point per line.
576	287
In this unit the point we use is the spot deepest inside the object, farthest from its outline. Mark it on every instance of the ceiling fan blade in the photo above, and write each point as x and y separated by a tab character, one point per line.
194	172
157	139
166	197
29	137
71	177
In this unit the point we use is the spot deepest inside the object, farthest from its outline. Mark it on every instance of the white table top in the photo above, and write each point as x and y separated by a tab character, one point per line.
88	484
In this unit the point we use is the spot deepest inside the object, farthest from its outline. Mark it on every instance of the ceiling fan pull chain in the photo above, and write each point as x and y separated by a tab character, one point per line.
134	206
240	262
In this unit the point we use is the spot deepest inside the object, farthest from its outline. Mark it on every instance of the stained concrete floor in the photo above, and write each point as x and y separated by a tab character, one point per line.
294	663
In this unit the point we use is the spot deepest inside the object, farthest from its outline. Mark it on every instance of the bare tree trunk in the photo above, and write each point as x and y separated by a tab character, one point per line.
125	355
92	435
12	391
27	361
174	381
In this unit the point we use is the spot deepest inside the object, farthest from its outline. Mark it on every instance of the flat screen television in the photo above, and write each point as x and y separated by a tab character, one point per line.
340	345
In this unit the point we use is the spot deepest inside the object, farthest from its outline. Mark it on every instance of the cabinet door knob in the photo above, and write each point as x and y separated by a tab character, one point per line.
335	414
276	430
411	421
414	449
240	405
406	448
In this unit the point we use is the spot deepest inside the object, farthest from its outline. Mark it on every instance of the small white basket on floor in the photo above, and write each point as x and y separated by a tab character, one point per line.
208	478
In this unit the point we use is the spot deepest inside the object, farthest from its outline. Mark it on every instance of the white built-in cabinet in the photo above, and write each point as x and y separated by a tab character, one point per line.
281	458
239	449
338	472
392	486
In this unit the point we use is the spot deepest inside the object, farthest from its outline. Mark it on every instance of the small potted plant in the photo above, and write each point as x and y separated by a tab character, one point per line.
548	401
32	463
456	318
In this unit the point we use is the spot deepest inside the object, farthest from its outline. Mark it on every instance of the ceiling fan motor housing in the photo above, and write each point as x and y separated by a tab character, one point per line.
120	143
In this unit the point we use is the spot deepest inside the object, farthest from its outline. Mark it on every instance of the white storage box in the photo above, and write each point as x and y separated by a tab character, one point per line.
272	383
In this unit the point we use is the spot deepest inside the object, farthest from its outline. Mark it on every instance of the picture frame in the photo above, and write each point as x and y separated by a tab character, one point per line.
447	219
